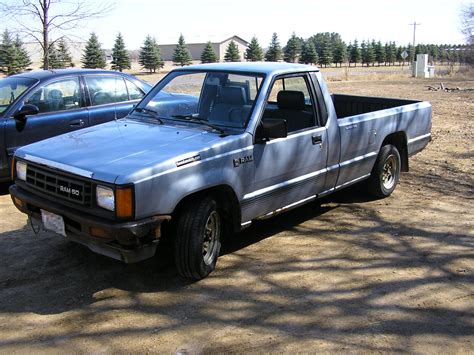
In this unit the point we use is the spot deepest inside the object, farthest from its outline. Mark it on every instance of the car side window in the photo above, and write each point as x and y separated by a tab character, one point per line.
106	89
134	91
57	96
290	100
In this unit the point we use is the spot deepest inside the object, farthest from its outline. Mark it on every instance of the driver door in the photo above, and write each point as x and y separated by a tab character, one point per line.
61	110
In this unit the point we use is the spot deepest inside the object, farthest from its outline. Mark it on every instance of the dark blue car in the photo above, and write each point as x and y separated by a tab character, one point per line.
41	104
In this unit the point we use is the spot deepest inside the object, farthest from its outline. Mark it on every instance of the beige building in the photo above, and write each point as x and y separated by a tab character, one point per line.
167	50
36	52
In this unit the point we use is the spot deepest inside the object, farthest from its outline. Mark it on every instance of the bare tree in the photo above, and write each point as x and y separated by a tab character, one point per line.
44	19
467	19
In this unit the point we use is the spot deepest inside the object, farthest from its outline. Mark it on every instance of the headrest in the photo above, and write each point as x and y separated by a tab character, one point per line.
291	100
232	95
55	94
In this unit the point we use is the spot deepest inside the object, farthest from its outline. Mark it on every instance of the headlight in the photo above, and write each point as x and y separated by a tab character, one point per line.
21	170
105	197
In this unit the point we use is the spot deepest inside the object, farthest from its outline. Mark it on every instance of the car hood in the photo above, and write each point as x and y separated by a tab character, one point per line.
121	147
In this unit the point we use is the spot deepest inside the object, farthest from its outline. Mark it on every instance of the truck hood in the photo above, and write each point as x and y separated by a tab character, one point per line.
121	147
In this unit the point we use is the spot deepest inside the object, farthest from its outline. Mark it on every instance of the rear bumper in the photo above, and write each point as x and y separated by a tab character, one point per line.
129	242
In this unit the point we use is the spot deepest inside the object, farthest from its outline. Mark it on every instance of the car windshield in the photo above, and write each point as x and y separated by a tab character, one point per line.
216	99
11	89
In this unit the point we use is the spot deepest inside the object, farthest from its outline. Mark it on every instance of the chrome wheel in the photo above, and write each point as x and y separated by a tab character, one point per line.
211	237
389	172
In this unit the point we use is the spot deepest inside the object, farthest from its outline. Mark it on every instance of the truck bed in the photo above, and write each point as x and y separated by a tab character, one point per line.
349	105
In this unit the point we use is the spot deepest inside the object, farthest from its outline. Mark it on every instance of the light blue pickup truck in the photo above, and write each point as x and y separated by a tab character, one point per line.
210	149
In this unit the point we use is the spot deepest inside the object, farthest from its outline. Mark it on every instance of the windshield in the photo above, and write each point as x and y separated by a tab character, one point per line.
219	99
11	88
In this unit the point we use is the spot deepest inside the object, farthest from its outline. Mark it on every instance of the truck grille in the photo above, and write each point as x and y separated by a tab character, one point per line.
60	185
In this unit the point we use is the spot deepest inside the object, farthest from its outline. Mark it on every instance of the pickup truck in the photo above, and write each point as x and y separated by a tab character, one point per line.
210	149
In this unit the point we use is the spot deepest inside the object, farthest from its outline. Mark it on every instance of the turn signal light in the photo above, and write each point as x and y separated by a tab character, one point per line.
124	202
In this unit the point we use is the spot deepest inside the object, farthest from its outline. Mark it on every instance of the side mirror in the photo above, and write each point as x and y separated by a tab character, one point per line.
26	110
272	128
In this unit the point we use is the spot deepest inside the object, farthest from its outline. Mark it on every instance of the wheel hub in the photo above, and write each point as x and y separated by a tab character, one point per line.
211	236
389	172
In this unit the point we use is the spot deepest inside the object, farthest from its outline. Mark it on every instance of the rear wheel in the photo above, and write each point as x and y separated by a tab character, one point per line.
198	237
386	172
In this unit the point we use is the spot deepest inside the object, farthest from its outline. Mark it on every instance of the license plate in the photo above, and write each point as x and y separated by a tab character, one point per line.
53	222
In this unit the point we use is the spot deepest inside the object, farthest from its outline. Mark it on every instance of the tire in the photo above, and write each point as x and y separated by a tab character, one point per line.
385	173
198	235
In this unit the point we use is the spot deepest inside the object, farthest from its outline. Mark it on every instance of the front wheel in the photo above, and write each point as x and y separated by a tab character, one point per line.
386	172
198	236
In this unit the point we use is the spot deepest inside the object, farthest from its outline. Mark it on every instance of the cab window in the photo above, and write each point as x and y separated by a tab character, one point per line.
290	100
58	96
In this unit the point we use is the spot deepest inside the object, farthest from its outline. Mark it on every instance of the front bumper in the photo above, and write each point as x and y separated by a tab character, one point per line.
129	242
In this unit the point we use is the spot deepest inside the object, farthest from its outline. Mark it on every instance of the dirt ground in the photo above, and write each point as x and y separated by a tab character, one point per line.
348	274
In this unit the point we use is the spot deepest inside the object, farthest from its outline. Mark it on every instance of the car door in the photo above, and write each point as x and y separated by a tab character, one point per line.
292	169
110	97
61	110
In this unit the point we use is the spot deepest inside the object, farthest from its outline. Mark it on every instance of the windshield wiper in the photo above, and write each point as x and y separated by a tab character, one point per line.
150	111
194	118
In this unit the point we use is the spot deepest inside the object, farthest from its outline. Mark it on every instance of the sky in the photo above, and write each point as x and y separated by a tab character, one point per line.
216	20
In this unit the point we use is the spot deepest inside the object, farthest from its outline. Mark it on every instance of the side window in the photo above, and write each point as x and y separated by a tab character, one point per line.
290	100
58	96
106	89
133	90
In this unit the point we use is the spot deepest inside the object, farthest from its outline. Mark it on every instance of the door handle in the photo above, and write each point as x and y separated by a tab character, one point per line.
78	123
317	139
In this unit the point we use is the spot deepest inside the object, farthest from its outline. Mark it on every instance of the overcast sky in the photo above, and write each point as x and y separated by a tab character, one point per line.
203	20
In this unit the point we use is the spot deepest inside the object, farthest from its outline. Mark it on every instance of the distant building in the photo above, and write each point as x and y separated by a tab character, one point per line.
36	52
167	50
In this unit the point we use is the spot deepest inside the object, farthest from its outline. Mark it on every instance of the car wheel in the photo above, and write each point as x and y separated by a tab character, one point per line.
386	172
198	236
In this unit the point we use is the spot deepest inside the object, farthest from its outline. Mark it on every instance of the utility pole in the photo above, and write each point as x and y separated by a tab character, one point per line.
414	24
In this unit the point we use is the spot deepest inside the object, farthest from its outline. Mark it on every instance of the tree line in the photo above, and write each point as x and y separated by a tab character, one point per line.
324	49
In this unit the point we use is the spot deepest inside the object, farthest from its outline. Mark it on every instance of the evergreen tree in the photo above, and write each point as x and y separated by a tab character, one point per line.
308	53
93	56
53	57
181	54
64	55
120	57
340	53
292	49
8	54
254	52
367	52
23	58
149	56
399	57
274	52
232	53
391	52
325	55
208	54
380	55
355	55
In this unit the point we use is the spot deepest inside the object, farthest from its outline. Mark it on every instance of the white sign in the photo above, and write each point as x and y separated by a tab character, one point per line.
404	54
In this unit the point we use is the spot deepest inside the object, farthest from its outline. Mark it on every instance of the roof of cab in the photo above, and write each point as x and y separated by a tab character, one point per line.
47	74
253	67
